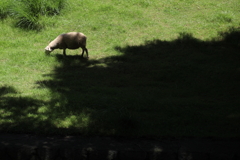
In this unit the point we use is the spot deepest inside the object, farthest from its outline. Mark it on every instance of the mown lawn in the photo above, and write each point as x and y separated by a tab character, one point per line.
156	69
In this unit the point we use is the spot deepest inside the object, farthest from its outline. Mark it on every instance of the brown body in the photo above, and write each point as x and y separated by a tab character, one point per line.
71	40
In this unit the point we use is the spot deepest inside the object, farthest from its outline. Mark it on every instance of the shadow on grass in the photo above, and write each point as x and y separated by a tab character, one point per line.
184	87
16	112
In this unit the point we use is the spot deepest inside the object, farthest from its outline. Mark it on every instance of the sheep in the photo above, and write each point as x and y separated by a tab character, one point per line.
70	40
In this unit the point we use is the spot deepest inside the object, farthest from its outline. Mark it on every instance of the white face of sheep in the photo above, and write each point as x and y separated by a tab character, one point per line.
48	50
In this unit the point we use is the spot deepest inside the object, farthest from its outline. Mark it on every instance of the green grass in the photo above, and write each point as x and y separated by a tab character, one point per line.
156	68
4	9
28	14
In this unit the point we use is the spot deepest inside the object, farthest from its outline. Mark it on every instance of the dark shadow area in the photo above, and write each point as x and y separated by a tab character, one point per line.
15	113
184	87
7	89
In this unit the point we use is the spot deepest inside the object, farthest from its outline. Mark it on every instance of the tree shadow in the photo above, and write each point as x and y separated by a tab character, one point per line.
16	112
183	87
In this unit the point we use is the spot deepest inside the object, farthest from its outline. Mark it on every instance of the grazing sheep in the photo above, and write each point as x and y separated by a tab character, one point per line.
71	40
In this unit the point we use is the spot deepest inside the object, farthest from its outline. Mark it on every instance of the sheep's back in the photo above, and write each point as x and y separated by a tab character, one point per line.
74	40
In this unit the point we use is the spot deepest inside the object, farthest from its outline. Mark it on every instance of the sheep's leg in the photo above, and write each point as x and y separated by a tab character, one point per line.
64	52
82	52
84	49
86	52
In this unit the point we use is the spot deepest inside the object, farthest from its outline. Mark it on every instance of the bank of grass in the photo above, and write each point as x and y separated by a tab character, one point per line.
29	14
156	68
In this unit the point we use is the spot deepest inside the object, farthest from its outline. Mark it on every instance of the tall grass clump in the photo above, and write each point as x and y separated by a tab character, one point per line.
4	8
29	12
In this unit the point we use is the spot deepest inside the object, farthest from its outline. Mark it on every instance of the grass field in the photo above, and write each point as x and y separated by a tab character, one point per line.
155	69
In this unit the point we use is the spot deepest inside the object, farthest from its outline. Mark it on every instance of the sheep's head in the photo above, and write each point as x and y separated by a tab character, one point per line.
48	50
